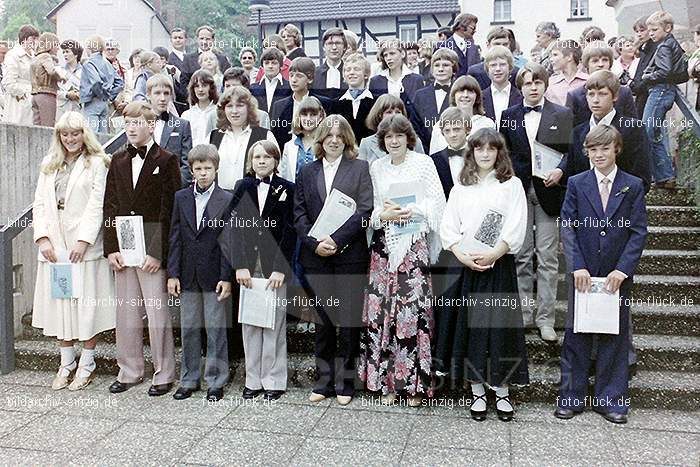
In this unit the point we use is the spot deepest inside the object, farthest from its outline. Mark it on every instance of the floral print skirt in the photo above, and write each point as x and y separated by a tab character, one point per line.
395	353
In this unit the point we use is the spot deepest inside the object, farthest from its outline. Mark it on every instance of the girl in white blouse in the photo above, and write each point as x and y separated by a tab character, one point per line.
395	349
484	227
203	96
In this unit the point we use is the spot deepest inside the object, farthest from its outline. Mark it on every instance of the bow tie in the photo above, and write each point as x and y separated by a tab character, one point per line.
165	116
537	108
455	152
258	181
444	87
355	93
133	151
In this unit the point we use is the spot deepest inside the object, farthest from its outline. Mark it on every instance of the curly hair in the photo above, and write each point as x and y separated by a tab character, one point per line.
397	124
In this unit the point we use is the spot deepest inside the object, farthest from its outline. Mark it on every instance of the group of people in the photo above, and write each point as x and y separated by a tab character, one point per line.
429	282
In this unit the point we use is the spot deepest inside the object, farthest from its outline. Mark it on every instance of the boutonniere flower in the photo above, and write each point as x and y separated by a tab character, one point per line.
277	190
624	190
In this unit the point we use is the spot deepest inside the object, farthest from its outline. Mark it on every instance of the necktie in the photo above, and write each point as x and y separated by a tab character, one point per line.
605	192
444	87
355	93
455	152
537	108
164	116
258	181
133	151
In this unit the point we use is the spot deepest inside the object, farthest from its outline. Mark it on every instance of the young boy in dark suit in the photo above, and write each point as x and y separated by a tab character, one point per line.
272	87
142	181
604	215
357	101
201	275
500	94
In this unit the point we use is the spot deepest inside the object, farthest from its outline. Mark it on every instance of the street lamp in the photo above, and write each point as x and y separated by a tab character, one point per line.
259	6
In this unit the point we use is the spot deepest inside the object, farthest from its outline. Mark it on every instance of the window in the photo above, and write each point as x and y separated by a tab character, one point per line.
579	8
408	32
501	10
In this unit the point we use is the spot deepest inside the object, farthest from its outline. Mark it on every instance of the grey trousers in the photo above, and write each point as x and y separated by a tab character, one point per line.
201	310
266	353
543	241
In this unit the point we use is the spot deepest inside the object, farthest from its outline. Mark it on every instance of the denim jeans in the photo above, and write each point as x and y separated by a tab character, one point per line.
95	112
659	102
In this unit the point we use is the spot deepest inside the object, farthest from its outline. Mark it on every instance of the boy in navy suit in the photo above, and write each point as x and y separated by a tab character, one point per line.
604	216
497	36
201	274
432	100
538	119
272	87
172	133
500	94
357	101
328	77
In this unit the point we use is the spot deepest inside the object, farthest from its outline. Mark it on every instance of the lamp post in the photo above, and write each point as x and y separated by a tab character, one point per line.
259	6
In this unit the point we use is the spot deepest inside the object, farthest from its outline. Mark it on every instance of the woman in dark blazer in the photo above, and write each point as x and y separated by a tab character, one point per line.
335	265
395	77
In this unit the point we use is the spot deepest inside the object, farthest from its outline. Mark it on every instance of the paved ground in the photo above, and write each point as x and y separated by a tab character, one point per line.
93	427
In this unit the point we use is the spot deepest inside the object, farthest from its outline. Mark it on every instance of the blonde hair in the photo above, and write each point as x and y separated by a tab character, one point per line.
660	18
388	44
308	105
496	52
137	109
237	94
346	133
270	148
207	53
95	44
73	121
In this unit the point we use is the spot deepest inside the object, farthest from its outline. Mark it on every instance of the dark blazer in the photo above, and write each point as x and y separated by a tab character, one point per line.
634	159
478	71
344	107
256	134
576	101
269	235
282	114
424	113
442	165
319	84
177	139
465	61
181	86
298	52
195	254
554	131
379	85
605	246
152	198
515	98
260	92
352	178
191	64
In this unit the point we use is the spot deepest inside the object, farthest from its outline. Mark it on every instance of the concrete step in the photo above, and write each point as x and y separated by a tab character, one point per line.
673	238
681	216
663	197
661	262
656	290
649	389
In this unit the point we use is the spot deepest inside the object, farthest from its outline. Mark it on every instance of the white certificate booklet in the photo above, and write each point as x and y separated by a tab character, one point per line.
487	233
597	311
406	194
132	244
336	211
544	160
257	306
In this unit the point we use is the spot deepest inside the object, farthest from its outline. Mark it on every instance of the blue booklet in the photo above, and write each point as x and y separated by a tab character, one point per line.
61	280
409	226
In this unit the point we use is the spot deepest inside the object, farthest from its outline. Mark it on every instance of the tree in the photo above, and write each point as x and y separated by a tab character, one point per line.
19	12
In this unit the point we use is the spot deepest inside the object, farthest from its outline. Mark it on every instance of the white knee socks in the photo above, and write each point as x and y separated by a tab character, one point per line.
87	363
67	361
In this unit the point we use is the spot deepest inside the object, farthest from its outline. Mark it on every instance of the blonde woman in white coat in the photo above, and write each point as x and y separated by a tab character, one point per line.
68	227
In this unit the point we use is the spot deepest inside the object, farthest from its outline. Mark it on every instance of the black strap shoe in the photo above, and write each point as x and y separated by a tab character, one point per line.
215	394
478	415
504	415
159	389
272	395
117	386
184	393
252	393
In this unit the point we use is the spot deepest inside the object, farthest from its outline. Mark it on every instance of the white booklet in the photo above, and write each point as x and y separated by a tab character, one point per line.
132	244
544	160
597	311
404	194
66	278
257	306
337	209
487	234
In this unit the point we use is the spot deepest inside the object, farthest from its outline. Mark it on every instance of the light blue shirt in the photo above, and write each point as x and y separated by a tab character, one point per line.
99	80
201	200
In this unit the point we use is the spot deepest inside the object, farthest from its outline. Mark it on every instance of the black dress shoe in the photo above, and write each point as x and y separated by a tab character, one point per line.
184	393
215	394
117	387
252	393
614	417
565	414
159	389
478	415
504	415
272	395
632	371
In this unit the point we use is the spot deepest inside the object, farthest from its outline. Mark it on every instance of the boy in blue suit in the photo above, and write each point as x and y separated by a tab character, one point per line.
199	272
604	218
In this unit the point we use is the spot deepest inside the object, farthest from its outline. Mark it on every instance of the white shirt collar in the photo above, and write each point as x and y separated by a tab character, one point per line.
611	176
336	67
245	130
347	96
607	120
506	90
331	165
299	101
404	71
489	177
208	192
269	81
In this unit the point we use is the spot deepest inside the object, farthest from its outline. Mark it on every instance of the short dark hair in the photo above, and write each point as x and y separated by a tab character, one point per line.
396	123
303	65
602	135
498	32
238	73
272	53
74	46
26	31
538	72
134	53
162	52
174	30
203	153
331	32
445	30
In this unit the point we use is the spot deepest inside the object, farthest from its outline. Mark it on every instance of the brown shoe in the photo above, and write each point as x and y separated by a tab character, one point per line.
79	383
667	185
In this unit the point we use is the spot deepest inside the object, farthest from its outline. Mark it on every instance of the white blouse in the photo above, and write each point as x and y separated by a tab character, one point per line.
468	204
233	157
202	122
438	142
420	168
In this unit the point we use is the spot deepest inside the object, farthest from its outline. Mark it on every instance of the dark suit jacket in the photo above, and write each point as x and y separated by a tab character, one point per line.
152	198
442	165
282	114
191	64
605	246
195	255
424	113
379	85
319	84
260	92
482	77
352	178
554	131
515	98
181	87
344	107
465	61
298	52
576	101
271	234
634	159
177	139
